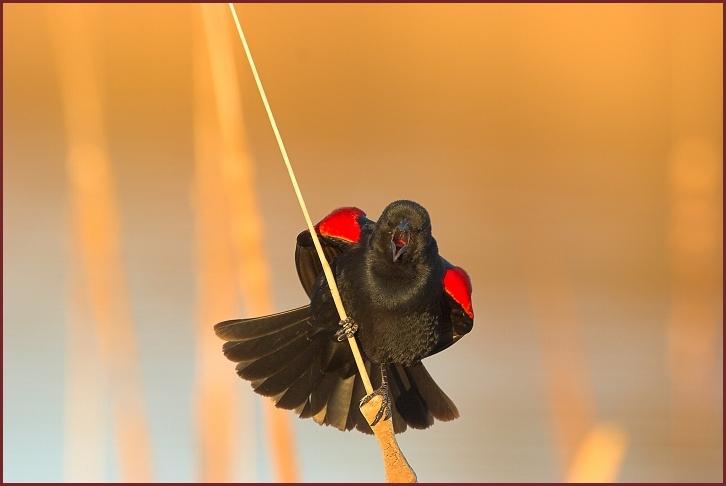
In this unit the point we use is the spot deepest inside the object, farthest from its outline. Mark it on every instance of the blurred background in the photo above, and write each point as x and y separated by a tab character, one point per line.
570	157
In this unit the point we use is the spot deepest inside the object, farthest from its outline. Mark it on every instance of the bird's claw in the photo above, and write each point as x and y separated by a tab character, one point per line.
385	411
348	327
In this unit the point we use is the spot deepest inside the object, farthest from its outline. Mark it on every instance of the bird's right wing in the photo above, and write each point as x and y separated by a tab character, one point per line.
338	232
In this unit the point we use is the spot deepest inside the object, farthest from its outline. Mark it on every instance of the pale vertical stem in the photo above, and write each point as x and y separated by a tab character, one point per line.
695	230
217	408
245	227
95	225
599	457
84	435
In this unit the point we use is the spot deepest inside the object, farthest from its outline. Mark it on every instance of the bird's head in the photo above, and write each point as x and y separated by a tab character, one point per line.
403	234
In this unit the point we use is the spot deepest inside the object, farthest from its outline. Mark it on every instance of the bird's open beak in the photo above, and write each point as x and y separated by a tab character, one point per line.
399	239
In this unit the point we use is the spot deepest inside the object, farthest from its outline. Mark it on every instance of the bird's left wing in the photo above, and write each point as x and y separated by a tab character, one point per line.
338	232
457	307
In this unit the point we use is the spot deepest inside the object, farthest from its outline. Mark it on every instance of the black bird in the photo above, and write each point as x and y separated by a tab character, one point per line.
405	300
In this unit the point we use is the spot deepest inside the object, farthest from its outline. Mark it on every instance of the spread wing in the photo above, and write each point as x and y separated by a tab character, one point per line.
338	232
456	305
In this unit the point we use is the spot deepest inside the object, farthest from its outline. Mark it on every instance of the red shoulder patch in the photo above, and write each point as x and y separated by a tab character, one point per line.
458	285
342	224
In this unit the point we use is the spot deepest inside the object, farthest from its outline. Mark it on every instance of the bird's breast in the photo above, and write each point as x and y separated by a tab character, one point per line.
397	317
402	339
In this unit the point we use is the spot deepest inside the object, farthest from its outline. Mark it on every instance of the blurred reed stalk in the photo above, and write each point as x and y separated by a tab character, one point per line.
587	450
244	223
85	436
96	235
218	408
600	455
695	235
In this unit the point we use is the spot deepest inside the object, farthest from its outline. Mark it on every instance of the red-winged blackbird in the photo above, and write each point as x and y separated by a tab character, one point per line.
407	301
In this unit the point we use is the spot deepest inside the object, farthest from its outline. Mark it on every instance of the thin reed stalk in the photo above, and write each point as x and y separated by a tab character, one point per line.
95	222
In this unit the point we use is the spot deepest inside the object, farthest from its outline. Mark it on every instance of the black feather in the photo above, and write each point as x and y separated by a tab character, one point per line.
283	359
251	349
409	403
305	411
320	395
300	390
399	423
307	261
440	405
336	413
255	327
355	416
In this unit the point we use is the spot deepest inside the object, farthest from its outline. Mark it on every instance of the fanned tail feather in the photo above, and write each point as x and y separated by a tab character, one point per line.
298	364
417	397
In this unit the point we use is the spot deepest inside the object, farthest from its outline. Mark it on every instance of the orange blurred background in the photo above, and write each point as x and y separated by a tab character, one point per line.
570	157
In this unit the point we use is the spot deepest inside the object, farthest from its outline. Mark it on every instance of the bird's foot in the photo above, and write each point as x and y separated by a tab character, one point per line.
385	411
348	327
